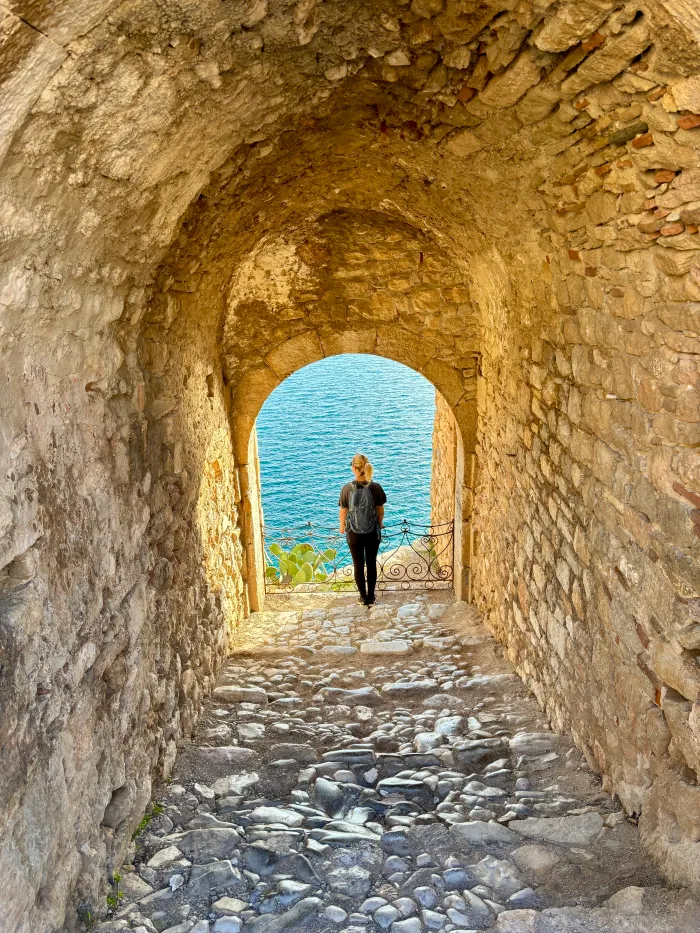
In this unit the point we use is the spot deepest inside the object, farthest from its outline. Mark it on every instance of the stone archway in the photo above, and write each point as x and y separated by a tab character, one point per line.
457	389
514	179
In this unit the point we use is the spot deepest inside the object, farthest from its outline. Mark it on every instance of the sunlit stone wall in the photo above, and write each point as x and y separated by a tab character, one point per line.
198	198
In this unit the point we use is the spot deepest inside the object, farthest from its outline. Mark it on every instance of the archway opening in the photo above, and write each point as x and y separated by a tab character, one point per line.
354	402
346	404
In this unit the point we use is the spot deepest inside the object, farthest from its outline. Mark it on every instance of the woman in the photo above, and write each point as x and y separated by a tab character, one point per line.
361	518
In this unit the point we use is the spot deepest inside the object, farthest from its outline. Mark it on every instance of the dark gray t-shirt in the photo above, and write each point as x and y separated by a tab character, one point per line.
378	494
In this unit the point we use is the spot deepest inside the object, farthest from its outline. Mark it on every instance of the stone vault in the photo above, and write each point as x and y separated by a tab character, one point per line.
198	198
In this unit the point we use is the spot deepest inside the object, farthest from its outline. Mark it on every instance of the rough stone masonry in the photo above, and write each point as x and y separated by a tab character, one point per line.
196	199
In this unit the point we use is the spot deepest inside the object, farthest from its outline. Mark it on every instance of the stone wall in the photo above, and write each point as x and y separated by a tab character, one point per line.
588	425
197	199
444	468
451	497
587	544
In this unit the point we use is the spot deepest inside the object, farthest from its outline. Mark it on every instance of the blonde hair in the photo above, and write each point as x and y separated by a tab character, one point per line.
362	463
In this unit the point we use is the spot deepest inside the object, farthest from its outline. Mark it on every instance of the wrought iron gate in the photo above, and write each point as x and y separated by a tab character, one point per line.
312	558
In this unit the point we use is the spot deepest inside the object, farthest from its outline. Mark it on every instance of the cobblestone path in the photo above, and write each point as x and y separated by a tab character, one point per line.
384	770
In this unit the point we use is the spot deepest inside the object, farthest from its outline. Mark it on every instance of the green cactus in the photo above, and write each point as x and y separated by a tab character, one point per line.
301	564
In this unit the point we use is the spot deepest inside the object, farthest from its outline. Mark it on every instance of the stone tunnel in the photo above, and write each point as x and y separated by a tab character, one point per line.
200	197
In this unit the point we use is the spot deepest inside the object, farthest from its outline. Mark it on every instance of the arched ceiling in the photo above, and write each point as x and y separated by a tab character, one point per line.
119	116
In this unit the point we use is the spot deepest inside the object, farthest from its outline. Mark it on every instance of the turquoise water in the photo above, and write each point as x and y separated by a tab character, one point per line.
311	425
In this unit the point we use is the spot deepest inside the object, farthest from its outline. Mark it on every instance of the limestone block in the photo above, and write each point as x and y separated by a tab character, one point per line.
517	921
676	667
27	61
294	354
446	379
232	694
602	207
278	815
536	860
289	920
681	716
683	189
539	102
119	807
213	879
463	143
683	95
211	843
235	784
396	646
506	89
63	20
163	858
610	60
563	830
477	834
573	21
676	262
252	391
405	348
353	341
666	153
689	636
458	58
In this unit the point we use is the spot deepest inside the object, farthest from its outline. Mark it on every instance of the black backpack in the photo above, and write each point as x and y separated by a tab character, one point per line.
362	514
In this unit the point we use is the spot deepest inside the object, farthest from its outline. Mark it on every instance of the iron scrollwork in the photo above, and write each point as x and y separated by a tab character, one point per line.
313	557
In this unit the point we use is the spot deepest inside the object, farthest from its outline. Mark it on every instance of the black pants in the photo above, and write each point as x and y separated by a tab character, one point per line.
364	549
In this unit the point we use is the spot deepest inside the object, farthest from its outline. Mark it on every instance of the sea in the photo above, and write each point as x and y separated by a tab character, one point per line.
314	422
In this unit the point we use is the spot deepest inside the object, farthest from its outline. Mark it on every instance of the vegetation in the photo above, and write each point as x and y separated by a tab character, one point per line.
154	809
301	564
86	913
114	898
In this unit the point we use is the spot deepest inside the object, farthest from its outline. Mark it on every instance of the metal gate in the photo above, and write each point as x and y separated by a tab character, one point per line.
311	558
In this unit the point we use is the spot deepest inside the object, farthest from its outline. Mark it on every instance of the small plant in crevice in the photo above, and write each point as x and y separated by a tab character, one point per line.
153	810
301	564
114	898
87	916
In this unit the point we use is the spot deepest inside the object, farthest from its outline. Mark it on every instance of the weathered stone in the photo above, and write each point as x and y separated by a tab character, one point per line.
413	688
676	668
229	906
235	784
359	696
563	830
397	646
240	695
222	758
214	879
477	834
506	89
165	857
304	754
209	843
629	901
463	143
295	914
276	815
536	860
573	21
608	61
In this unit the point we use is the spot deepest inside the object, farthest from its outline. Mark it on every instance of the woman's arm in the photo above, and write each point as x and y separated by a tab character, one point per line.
342	516
380	514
